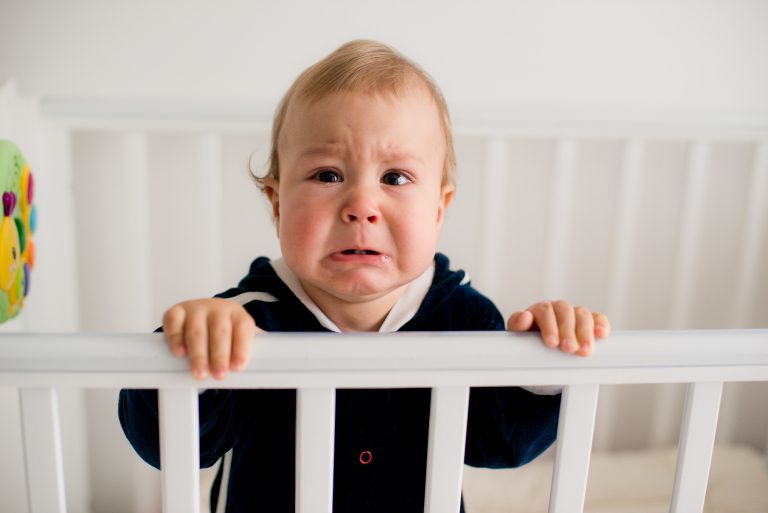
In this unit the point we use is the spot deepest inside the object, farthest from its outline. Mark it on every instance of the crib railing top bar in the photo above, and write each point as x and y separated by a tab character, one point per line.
313	352
383	379
417	359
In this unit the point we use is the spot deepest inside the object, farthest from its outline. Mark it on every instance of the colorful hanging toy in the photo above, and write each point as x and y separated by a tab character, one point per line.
17	250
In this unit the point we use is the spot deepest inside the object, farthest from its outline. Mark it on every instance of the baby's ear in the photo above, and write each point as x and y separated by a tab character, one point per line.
446	197
271	189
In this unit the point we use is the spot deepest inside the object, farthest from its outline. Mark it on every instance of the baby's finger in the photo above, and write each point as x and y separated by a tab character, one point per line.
602	325
544	317
196	340
520	321
243	331
173	329
585	330
219	343
566	323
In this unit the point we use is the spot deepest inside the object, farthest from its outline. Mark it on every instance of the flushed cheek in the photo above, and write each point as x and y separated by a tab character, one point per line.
416	234
301	225
302	234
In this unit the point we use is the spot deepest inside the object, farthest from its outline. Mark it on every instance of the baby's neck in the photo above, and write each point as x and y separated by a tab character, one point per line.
359	316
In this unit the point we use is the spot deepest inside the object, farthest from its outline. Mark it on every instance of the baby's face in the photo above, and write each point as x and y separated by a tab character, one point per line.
360	200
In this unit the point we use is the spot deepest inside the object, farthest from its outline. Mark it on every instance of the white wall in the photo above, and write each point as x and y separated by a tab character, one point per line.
679	54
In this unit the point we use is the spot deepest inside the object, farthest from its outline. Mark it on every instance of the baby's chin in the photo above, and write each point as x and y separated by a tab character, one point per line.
365	292
362	284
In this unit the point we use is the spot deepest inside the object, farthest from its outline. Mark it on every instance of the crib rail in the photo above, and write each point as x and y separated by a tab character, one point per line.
317	364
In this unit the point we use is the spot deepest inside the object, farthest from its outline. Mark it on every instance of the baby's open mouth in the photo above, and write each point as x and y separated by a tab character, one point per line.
359	252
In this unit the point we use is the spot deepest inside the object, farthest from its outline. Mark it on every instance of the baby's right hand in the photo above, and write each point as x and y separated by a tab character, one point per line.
216	334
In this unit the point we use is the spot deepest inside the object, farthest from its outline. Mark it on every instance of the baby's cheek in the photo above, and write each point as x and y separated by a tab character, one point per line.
419	230
299	228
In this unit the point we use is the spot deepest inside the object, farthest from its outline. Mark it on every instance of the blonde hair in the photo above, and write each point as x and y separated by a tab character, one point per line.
359	66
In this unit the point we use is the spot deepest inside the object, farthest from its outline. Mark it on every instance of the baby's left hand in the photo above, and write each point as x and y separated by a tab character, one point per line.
574	330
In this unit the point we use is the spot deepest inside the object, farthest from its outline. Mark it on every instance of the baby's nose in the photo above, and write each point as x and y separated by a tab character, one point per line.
361	207
351	218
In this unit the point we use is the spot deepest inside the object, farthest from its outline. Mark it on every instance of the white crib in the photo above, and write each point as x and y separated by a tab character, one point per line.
658	219
316	365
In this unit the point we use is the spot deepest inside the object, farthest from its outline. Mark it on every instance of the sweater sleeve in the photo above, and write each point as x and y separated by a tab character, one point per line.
138	414
509	426
506	426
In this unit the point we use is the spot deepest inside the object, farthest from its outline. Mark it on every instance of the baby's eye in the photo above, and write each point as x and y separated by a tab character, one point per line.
395	178
328	176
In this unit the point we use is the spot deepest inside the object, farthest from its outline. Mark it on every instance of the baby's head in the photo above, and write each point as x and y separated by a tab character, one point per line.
361	171
360	66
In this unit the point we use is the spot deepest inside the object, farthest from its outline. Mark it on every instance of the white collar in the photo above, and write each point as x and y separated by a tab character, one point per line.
403	311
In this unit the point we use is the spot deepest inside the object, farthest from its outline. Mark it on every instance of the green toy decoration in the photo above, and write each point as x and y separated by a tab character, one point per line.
17	248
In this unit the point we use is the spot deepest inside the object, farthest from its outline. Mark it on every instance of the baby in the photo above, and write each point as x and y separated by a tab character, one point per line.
361	173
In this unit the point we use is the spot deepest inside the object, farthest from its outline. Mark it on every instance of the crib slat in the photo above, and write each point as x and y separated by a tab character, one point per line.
495	203
179	449
445	452
212	219
625	225
315	423
574	447
754	228
694	204
42	450
697	438
560	215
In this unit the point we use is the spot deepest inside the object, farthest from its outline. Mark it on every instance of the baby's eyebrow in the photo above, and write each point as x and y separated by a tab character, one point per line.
321	151
400	156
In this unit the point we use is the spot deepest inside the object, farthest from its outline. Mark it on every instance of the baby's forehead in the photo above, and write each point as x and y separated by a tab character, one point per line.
406	83
414	105
414	91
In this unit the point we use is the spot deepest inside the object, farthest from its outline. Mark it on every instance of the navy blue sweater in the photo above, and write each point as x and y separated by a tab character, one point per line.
381	435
